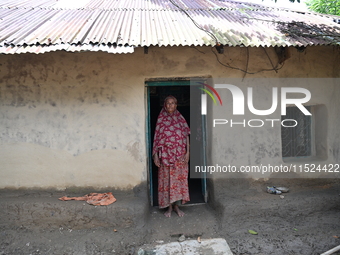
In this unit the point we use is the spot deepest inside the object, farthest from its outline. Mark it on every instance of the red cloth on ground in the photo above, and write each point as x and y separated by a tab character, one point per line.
94	198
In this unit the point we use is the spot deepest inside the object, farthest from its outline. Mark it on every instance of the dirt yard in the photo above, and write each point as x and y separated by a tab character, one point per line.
305	221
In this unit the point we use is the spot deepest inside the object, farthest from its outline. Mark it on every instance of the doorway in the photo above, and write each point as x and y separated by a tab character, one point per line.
157	91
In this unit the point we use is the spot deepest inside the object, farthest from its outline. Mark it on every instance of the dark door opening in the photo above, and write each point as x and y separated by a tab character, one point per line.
157	92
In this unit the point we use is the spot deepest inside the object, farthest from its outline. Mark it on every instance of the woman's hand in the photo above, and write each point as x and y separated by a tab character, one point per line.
184	158
156	160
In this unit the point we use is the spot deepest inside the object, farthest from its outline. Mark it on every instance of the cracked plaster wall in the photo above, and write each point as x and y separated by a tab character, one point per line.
70	120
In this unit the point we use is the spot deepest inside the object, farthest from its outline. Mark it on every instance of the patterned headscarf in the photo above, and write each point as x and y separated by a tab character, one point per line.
170	135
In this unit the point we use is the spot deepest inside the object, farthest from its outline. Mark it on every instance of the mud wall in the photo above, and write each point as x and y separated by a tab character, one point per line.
78	119
71	119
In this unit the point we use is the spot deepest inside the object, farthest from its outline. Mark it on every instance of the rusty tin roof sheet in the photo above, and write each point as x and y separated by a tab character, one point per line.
118	26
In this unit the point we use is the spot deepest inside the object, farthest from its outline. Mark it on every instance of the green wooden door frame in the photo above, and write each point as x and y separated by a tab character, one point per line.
167	83
148	85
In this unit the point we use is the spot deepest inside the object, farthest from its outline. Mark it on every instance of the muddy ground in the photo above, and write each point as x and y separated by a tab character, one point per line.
305	222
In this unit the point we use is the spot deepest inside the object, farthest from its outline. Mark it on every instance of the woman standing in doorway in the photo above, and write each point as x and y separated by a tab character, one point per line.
171	155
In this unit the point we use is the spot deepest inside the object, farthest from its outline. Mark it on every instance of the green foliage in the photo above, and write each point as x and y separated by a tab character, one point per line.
331	7
293	1
324	6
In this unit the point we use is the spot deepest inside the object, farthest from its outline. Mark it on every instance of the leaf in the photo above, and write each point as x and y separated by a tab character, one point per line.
324	6
252	232
295	229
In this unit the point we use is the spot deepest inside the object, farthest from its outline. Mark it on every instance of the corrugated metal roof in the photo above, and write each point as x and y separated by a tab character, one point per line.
66	47
117	26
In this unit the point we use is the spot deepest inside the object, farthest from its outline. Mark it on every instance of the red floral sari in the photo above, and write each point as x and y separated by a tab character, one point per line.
170	144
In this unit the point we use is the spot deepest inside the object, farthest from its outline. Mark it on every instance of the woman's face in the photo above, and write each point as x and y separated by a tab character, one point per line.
170	105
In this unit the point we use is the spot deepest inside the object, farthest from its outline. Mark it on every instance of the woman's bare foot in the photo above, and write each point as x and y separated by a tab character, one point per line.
168	212
178	211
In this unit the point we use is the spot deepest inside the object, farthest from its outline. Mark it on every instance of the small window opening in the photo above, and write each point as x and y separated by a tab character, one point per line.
296	141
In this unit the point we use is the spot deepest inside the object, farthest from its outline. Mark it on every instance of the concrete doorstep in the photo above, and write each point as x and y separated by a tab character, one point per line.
217	246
